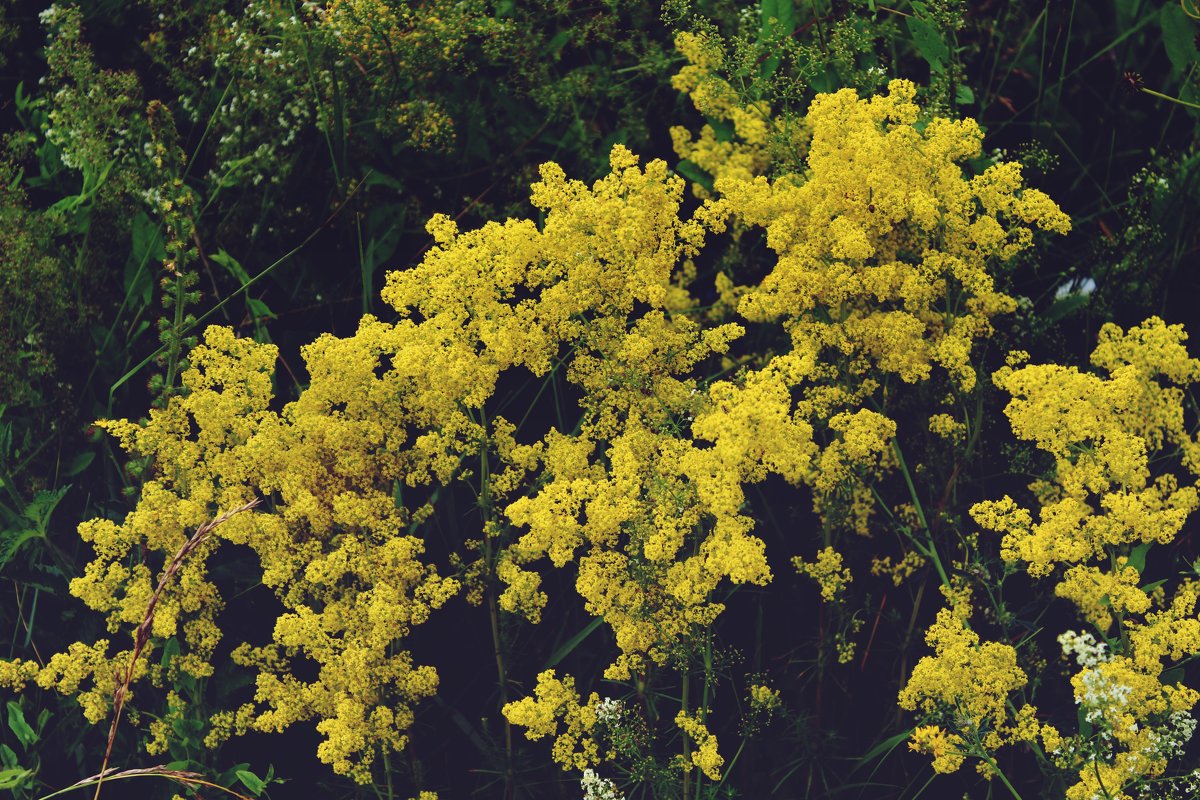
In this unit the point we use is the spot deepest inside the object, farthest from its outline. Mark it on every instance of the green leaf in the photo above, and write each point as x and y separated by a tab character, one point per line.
14	778
1066	305
569	645
1085	727
251	781
259	309
557	42
26	735
722	128
169	651
963	95
147	240
929	42
1178	32
778	19
232	266
886	746
691	171
1137	557
79	463
42	506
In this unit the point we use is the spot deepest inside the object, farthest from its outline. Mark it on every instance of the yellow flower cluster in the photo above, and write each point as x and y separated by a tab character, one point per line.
764	698
883	249
902	570
846	235
827	570
705	756
555	703
946	748
1104	504
1102	433
741	157
965	686
333	546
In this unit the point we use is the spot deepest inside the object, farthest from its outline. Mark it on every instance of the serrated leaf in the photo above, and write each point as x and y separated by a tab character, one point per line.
11	542
929	42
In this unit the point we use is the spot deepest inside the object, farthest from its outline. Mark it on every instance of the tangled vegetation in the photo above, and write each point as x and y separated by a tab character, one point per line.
693	399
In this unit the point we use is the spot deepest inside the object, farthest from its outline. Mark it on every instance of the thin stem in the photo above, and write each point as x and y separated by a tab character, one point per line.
687	742
930	550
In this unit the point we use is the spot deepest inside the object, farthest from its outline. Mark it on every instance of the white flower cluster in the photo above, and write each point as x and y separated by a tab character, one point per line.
1170	740
1101	695
608	711
1088	652
597	788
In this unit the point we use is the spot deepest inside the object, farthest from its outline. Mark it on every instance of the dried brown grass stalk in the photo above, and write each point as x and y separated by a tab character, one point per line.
142	635
179	776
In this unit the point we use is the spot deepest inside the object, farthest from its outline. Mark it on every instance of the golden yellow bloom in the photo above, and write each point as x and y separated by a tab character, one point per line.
827	570
944	747
705	756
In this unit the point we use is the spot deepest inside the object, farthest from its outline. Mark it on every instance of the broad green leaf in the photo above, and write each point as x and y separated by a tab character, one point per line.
778	19
1178	35
929	42
26	735
14	778
1137	557
79	463
691	171
722	128
251	781
963	95
232	266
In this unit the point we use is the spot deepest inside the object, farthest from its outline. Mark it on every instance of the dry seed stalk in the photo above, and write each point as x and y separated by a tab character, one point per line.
179	776
142	635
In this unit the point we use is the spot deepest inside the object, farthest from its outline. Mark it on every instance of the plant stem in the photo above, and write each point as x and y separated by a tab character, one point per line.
687	742
929	549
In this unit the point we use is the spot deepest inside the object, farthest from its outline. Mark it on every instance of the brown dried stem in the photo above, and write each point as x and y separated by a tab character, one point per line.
142	635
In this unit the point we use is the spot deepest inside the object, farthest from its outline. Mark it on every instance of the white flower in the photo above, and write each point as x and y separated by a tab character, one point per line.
597	788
